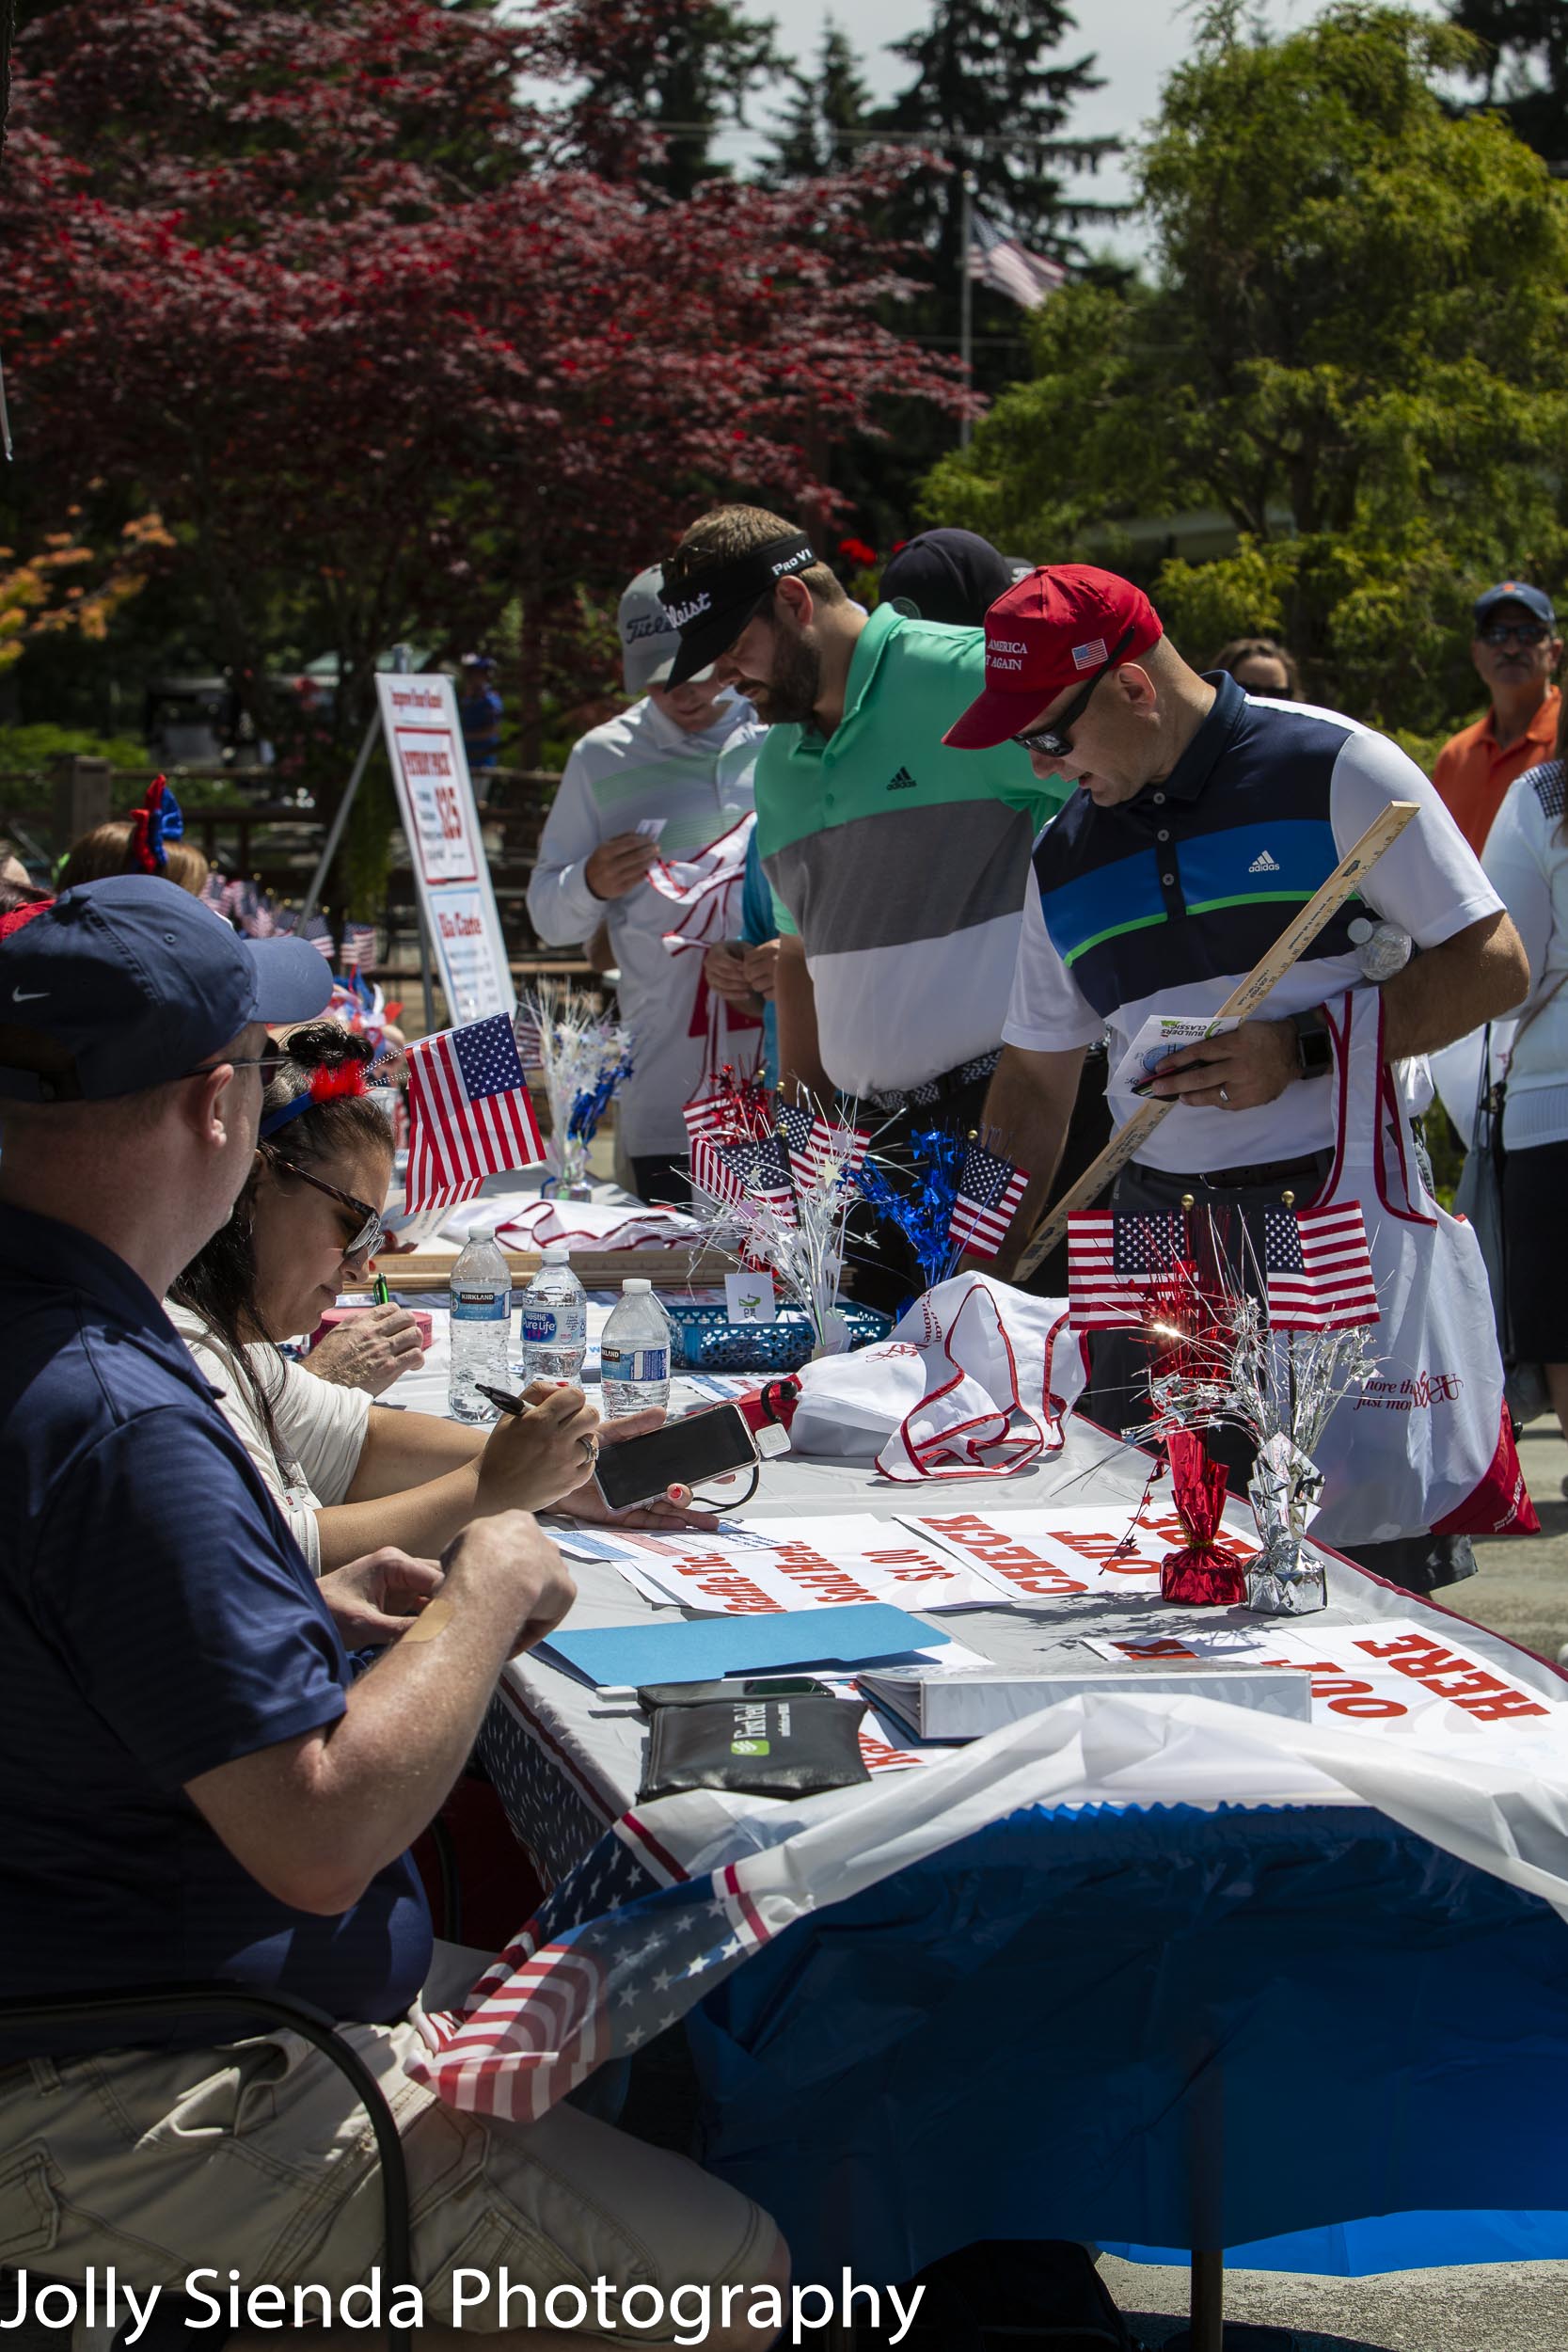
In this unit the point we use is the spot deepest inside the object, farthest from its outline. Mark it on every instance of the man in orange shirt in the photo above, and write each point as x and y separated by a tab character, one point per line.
1516	651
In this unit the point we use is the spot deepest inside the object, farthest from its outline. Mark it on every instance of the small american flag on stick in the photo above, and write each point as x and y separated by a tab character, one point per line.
761	1169
359	946
989	1190
469	1112
1117	1259
1317	1271
830	1141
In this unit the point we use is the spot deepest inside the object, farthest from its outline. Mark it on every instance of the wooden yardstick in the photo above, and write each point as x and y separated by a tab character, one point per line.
1241	1003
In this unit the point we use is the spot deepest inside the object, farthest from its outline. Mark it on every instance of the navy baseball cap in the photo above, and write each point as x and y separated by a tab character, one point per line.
137	982
1536	600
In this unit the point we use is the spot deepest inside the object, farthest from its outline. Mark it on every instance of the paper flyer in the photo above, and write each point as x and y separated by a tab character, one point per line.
1164	1033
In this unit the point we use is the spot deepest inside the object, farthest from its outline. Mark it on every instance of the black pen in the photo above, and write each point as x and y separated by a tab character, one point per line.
516	1405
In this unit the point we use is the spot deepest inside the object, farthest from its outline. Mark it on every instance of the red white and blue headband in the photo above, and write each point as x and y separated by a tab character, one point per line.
333	1082
157	820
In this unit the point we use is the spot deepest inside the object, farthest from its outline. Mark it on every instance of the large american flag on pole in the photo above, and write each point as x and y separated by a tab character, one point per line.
469	1112
989	1190
1317	1270
1010	268
1118	1259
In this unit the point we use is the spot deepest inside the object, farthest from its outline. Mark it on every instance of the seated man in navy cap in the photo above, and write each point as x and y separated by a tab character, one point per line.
194	1779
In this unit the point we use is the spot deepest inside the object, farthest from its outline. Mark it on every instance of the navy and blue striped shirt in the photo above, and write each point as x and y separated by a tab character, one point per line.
1165	902
156	1620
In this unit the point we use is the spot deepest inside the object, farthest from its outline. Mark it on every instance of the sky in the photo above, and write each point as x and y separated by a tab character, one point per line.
1137	44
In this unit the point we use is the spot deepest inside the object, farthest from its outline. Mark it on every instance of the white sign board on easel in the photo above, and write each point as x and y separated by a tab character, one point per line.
451	877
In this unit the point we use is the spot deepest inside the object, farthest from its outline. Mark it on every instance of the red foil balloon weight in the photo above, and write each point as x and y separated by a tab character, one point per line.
1203	1575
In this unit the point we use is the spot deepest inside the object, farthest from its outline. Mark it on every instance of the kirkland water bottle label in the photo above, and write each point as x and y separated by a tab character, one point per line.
539	1327
480	1306
634	1363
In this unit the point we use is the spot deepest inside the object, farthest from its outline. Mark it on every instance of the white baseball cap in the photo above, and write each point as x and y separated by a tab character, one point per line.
649	639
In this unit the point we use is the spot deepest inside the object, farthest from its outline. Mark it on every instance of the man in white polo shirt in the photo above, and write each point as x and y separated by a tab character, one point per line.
679	762
1199	821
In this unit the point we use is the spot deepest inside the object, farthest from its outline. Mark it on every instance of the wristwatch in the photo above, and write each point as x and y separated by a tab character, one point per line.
1314	1046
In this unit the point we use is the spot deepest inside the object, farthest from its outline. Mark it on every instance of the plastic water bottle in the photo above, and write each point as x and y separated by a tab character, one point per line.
555	1320
634	1354
481	1326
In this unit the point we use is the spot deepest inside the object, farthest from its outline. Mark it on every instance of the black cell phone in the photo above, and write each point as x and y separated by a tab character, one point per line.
682	1454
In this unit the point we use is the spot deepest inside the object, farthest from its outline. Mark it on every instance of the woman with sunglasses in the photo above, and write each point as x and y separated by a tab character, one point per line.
350	1475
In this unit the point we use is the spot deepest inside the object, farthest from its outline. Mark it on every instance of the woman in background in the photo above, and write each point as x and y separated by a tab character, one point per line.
148	841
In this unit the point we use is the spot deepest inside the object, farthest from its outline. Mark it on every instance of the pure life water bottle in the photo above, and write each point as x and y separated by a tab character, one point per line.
634	1354
555	1320
481	1326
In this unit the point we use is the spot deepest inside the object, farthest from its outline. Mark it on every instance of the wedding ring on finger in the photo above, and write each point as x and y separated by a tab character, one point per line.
590	1449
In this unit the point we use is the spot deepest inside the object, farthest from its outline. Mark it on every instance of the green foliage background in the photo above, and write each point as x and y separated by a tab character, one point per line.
1352	363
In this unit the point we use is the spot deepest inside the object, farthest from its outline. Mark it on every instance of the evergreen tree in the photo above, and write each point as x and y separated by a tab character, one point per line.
825	106
988	97
677	69
1526	70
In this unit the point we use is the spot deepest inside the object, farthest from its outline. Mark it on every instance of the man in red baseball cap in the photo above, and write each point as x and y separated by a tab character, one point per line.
1199	822
1057	632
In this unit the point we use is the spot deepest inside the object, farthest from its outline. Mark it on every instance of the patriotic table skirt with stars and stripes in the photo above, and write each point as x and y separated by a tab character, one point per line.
1142	1969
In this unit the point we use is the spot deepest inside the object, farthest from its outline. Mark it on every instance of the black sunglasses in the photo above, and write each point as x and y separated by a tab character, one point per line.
1055	742
367	1232
1518	632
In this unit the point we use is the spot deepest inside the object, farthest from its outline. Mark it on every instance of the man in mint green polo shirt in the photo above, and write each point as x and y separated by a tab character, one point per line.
897	866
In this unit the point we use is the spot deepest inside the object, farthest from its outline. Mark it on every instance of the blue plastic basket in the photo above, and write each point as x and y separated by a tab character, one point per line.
708	1341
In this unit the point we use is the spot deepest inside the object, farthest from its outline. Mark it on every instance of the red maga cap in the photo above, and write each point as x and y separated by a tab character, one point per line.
1054	630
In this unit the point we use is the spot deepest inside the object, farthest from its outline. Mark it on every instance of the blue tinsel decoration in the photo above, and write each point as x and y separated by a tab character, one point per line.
922	1209
588	1109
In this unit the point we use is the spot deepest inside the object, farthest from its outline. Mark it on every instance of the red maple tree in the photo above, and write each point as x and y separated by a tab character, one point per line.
382	351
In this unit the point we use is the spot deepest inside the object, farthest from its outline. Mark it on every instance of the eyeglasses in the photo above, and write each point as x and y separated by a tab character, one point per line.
367	1233
1514	632
1055	742
268	1064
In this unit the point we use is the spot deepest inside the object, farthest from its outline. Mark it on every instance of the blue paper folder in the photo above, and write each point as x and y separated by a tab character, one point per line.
705	1648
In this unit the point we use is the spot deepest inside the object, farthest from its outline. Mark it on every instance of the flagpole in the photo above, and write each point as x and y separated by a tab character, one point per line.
966	294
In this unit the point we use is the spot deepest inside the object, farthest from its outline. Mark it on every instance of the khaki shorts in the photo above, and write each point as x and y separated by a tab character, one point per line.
257	2156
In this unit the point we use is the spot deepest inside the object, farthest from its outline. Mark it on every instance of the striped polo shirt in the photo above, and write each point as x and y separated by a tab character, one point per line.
1165	902
902	864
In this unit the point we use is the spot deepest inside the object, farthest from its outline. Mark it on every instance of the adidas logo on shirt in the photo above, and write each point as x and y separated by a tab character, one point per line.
1264	864
902	782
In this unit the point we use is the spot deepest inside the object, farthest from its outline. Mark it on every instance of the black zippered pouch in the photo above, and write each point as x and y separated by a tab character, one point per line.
756	1744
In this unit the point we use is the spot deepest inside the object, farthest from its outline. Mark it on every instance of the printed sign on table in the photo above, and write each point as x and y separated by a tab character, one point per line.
451	877
1040	1555
1396	1673
803	1563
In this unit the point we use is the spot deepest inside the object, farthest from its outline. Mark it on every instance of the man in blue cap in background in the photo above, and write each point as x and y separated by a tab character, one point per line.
1516	651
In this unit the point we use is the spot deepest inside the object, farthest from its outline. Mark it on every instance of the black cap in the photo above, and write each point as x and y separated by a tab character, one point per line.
715	600
140	982
951	575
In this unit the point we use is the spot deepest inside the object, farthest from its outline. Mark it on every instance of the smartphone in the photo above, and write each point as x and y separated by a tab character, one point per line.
682	1454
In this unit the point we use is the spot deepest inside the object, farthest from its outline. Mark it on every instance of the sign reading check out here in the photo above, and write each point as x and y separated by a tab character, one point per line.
436	801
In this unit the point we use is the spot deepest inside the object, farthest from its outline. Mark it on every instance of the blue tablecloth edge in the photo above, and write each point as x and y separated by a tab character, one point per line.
1388	2242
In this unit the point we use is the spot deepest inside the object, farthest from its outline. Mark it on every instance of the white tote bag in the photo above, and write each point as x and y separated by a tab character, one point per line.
974	1382
1425	1444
